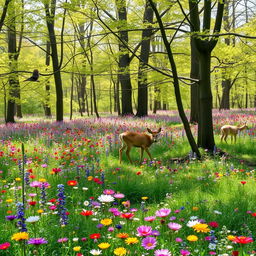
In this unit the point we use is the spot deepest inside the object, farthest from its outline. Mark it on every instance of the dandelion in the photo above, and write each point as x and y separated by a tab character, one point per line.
131	240
192	238
120	251
20	236
149	243
103	245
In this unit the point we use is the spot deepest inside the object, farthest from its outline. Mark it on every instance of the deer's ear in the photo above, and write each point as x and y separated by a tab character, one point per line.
149	130
159	130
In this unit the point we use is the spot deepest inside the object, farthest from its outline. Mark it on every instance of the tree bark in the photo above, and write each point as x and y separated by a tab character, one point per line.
55	61
144	56
124	61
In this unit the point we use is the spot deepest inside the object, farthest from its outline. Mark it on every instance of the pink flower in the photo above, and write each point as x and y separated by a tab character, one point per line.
174	226
150	218
35	184
162	252
163	212
144	231
118	195
184	252
149	243
178	240
108	192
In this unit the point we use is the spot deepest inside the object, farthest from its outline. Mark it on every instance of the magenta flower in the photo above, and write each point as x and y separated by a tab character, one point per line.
149	243
118	195
174	226
178	240
108	192
144	231
162	252
184	252
35	184
37	241
63	240
163	212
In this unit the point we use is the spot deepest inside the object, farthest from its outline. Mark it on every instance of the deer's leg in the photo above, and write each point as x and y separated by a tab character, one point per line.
141	154
148	153
222	136
128	153
235	138
225	138
231	138
121	152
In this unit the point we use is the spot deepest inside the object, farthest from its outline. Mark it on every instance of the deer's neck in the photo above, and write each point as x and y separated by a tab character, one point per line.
241	128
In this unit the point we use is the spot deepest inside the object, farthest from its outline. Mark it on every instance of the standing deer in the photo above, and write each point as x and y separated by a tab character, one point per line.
139	140
231	130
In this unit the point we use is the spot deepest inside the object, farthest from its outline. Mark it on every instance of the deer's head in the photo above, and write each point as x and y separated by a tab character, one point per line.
154	134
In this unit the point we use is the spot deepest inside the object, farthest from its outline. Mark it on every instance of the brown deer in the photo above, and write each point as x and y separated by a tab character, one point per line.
231	130
139	140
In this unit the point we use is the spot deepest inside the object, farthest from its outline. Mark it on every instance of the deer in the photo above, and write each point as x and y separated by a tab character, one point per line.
140	140
231	130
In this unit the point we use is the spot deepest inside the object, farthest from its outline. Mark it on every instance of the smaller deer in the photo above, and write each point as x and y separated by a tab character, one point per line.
231	130
139	140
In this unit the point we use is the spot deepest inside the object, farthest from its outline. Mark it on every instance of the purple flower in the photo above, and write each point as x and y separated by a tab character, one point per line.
144	230
35	184
155	233
149	243
37	241
174	226
162	252
163	212
10	217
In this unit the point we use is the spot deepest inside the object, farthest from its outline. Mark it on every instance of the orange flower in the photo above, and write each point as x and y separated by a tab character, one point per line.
72	182
122	235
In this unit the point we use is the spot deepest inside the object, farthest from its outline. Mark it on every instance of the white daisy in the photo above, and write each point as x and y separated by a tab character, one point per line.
106	198
95	252
32	219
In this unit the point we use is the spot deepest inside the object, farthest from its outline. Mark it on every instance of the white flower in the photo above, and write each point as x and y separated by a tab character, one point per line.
192	223
212	246
84	188
193	218
86	203
228	247
75	239
32	219
106	198
95	252
217	212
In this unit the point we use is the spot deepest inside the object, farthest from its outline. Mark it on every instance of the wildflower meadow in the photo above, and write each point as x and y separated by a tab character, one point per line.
64	192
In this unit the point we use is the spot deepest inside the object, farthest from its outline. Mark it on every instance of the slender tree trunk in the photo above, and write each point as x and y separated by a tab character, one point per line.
124	60
225	100
55	61
144	56
194	90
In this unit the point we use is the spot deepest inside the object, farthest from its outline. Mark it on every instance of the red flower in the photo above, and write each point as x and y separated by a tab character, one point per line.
235	253
53	200
243	182
86	213
32	176
213	224
72	182
95	236
4	246
127	215
138	173
243	240
56	170
254	214
32	203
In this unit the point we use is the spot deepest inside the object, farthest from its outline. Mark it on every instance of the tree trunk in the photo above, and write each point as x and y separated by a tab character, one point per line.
225	100
205	126
124	60
144	56
55	61
47	108
194	90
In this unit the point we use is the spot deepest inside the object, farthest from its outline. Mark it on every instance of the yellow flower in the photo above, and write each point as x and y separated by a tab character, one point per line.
195	208
106	222
17	179
77	248
4	181
131	240
103	245
90	178
120	251
192	238
9	200
40	211
144	198
42	180
20	236
200	227
231	238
